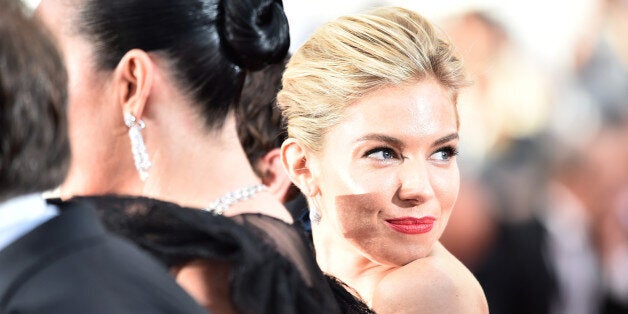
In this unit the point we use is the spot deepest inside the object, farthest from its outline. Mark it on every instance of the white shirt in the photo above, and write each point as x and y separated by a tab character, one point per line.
22	214
572	254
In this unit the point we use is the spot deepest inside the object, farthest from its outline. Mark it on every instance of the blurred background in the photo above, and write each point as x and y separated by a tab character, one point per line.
542	215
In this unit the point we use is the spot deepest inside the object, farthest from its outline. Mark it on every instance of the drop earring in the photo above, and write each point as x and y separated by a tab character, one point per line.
315	214
140	156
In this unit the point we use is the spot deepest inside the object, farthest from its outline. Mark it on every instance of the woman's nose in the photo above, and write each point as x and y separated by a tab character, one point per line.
415	183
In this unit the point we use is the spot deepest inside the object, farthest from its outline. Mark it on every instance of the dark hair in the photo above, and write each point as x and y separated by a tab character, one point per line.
210	43
34	147
260	126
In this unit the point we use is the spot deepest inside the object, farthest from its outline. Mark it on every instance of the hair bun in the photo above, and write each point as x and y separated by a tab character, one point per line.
254	32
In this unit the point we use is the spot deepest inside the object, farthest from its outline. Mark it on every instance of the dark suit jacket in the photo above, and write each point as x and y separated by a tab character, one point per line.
70	264
300	212
517	275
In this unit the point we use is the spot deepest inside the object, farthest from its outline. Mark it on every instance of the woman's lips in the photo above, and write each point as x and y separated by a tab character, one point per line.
411	225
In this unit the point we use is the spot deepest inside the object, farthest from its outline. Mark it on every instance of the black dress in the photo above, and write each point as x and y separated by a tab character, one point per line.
272	268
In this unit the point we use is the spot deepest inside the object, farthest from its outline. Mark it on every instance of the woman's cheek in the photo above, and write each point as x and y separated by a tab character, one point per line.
356	215
446	184
446	187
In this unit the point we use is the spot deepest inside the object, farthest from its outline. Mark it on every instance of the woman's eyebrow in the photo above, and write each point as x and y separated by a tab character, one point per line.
445	139
381	138
397	142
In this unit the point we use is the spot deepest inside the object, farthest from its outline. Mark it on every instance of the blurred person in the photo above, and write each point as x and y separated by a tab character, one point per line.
597	82
512	264
510	95
583	197
589	118
600	64
569	256
153	87
57	257
370	104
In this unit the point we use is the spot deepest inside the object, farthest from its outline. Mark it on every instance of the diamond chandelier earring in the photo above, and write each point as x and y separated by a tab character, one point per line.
142	163
315	214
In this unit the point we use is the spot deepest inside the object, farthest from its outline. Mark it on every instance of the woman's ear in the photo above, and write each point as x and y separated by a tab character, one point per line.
133	81
273	175
300	167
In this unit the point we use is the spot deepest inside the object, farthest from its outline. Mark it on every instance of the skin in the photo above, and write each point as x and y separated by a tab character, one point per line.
273	176
392	156
89	92
183	152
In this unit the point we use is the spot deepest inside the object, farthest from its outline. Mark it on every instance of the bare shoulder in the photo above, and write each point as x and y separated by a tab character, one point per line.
438	283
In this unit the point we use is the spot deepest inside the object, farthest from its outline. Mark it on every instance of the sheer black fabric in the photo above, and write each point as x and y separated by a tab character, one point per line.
272	269
346	300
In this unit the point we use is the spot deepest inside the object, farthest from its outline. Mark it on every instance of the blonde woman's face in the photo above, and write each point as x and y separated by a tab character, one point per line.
387	174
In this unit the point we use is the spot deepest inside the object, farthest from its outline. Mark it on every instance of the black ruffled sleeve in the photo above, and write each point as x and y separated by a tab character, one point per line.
272	268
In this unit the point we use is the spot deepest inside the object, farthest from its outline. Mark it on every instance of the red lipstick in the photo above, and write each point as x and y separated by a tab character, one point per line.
411	225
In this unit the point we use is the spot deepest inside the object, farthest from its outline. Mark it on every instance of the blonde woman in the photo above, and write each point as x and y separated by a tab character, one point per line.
370	103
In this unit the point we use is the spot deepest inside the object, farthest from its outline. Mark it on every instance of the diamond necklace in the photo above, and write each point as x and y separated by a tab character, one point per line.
219	206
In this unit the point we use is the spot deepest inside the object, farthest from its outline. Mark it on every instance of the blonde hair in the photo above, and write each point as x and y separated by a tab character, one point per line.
354	55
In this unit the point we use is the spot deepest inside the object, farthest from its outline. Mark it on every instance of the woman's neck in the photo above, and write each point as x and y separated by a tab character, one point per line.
193	167
337	257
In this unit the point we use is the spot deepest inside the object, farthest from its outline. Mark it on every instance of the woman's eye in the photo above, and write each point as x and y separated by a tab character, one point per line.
445	153
381	153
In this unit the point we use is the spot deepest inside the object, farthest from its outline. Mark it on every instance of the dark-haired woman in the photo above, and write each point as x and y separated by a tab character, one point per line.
153	85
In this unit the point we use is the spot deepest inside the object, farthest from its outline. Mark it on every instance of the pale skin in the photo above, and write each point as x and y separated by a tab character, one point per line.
273	176
391	158
191	165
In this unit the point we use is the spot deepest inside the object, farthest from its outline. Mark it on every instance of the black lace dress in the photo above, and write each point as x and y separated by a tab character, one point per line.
272	268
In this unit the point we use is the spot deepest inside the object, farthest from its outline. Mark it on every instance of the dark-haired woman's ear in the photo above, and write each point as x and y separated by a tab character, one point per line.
133	81
300	169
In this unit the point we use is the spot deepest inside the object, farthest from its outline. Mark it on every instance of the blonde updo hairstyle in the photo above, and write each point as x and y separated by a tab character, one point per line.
357	54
